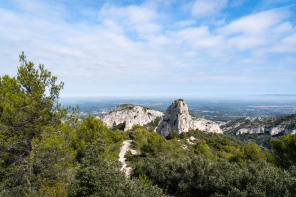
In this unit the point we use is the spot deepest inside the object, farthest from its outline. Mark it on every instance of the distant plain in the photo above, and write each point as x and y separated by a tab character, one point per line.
209	108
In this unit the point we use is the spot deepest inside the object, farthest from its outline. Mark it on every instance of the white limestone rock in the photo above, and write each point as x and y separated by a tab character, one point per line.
177	118
242	131
131	115
281	129
273	125
251	130
205	125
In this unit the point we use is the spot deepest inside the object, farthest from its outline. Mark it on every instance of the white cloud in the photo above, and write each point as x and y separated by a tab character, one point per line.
287	44
203	8
282	28
99	51
189	54
193	34
127	46
255	24
246	42
263	29
201	40
184	23
139	18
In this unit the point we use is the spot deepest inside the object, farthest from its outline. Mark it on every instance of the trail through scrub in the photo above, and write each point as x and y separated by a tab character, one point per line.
124	148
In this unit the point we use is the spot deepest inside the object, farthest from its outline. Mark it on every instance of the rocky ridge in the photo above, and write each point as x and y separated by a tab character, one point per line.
178	118
130	115
273	125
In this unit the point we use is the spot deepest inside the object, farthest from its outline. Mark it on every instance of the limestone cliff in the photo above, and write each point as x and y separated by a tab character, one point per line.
178	118
273	125
130	115
205	125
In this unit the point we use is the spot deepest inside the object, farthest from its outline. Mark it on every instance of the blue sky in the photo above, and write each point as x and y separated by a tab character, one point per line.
153	48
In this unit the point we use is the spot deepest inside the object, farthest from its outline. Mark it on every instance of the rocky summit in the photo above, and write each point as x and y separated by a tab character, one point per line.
130	115
178	118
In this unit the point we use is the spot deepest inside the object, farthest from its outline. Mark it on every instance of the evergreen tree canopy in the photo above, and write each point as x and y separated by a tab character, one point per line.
284	149
28	103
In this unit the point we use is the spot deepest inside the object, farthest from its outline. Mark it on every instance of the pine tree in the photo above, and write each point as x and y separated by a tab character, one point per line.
28	103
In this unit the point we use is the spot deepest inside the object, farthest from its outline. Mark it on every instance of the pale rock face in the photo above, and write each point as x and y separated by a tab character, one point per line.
205	125
273	125
251	130
131	115
257	130
177	118
281	129
272	131
242	131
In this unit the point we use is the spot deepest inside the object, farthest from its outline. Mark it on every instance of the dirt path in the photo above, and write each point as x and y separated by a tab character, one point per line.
125	147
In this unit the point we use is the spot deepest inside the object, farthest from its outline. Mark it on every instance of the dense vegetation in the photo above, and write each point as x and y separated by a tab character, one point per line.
48	150
219	165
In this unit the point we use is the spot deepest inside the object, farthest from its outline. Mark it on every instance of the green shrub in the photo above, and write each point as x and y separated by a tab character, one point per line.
97	176
201	148
189	176
173	135
284	150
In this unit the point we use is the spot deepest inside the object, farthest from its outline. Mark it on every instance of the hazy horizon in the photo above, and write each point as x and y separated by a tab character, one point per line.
290	99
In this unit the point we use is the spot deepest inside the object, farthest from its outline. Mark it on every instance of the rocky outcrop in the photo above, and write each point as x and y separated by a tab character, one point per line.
178	118
273	125
251	130
130	115
205	125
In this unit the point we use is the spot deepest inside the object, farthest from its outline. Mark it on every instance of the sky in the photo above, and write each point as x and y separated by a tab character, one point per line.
155	48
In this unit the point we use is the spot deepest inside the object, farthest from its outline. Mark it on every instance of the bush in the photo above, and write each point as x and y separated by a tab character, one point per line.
201	148
101	177
284	150
188	176
173	135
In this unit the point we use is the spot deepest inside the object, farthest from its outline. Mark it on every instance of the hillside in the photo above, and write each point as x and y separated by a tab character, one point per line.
273	125
49	150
